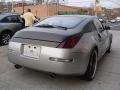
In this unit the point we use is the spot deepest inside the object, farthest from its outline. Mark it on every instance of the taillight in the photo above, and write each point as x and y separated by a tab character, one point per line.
70	42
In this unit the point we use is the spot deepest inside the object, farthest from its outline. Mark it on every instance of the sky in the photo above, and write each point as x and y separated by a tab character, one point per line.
90	3
87	3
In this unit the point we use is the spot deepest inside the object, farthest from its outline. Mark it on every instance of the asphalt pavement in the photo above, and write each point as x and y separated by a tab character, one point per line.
107	77
114	26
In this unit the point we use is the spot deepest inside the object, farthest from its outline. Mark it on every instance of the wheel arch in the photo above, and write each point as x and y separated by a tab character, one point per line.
96	48
7	31
87	69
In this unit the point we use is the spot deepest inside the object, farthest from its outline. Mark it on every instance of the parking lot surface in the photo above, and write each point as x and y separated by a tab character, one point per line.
107	77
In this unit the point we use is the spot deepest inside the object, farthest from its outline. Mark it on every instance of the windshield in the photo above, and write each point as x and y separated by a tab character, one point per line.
60	21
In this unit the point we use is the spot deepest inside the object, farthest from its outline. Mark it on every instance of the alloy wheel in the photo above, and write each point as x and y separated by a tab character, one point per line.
5	38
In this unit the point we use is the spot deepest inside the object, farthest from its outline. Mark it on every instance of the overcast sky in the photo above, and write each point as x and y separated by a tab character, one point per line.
88	3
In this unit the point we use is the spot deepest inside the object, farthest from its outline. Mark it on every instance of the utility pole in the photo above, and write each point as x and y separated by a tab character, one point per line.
47	2
12	5
7	7
58	6
23	8
96	7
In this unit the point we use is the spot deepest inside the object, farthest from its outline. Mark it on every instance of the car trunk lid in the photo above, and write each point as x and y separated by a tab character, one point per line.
51	37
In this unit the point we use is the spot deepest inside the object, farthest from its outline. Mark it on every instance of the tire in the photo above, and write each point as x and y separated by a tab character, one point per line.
5	37
109	49
92	66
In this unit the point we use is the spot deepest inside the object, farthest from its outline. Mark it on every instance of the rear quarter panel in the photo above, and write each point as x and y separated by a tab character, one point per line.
87	43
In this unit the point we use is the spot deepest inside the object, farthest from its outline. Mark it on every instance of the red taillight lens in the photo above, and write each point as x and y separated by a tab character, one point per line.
70	42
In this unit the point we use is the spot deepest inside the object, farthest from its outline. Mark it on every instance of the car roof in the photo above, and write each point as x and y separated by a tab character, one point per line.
5	14
82	16
87	17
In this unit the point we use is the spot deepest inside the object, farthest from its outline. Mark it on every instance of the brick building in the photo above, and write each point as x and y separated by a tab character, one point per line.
43	11
116	12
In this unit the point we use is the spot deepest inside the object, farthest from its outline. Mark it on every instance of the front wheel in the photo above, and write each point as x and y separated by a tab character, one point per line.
92	66
4	38
109	49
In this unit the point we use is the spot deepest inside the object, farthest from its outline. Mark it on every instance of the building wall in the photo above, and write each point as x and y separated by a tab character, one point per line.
43	11
53	9
38	10
116	12
5	9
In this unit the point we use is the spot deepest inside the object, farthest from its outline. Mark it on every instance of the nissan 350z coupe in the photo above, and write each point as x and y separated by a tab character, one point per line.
65	45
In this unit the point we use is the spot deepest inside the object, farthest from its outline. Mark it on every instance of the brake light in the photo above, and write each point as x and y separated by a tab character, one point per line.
70	42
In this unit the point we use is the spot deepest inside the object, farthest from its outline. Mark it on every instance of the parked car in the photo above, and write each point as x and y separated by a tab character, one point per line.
118	19
66	44
113	21
9	24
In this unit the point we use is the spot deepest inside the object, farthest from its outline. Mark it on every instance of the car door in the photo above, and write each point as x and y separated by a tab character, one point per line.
15	21
102	36
12	23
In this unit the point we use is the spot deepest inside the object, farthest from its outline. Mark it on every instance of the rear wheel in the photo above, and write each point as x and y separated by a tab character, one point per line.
92	66
5	37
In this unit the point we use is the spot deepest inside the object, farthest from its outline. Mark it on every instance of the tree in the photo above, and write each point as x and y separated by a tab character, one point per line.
97	1
38	1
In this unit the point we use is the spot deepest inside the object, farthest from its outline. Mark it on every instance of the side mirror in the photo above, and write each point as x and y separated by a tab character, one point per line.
101	29
103	21
107	27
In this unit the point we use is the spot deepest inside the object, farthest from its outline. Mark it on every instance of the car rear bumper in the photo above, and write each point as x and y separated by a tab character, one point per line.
53	60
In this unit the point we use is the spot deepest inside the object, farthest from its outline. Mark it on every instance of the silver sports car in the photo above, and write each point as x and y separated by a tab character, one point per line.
65	44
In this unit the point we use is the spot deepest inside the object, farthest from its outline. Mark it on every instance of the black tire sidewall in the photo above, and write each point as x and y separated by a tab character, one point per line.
2	43
88	75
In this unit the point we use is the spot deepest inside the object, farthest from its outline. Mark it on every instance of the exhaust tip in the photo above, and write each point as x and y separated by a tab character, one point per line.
17	66
52	75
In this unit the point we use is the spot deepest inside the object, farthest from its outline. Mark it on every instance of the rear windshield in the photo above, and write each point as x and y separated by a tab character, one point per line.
64	21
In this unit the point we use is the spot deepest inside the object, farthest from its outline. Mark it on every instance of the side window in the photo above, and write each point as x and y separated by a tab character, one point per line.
14	19
19	19
98	25
5	20
10	19
88	28
93	26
